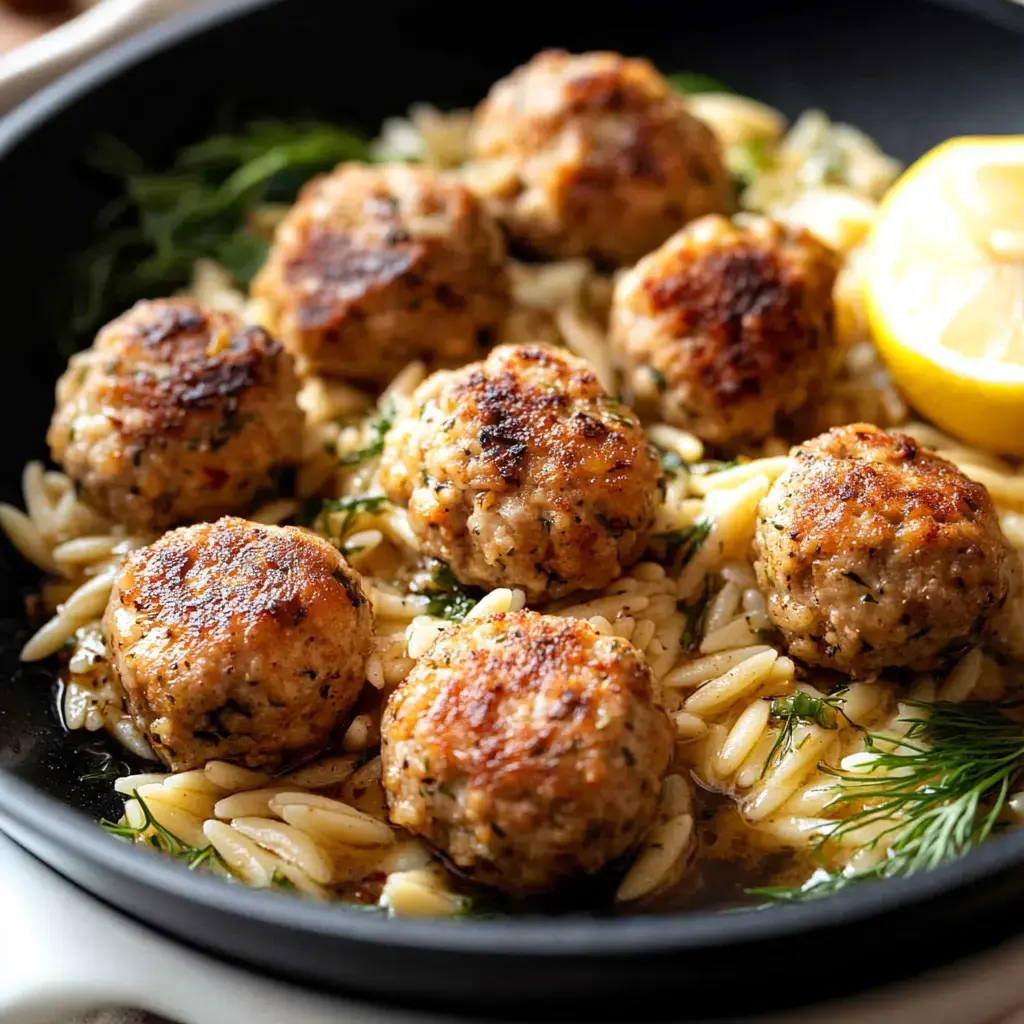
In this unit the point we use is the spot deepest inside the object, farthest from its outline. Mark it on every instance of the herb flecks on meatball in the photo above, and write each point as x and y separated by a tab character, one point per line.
527	748
238	641
726	327
876	553
593	155
176	413
520	471
376	266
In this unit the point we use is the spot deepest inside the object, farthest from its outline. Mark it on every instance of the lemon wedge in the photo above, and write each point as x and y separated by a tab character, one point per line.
944	288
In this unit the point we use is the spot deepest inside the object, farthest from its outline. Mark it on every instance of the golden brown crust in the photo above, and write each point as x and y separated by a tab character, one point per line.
725	328
375	266
521	471
869	482
875	553
593	155
236	640
176	413
527	747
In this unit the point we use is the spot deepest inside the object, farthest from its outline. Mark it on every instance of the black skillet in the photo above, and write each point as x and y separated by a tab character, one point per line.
909	73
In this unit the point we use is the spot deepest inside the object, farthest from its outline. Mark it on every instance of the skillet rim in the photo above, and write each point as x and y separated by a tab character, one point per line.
561	938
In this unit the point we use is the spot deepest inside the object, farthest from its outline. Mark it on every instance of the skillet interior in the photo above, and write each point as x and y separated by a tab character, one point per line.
910	74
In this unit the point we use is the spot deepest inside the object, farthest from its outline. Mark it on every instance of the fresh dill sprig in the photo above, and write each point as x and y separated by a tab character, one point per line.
931	796
684	543
162	839
801	707
694	613
103	775
378	427
198	207
448	598
351	507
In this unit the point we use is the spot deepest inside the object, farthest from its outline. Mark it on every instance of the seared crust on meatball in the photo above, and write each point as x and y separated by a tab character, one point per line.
520	471
376	266
175	414
238	641
593	155
527	748
875	553
725	327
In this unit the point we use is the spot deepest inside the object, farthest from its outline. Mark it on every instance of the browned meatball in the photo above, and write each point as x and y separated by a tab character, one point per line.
593	155
237	641
520	471
527	748
725	327
175	414
874	553
376	266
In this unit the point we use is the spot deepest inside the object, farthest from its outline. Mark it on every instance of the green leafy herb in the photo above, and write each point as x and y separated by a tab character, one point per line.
801	707
693	82
283	882
711	466
750	160
935	797
103	775
684	543
672	463
695	613
197	207
449	599
350	507
379	427
162	839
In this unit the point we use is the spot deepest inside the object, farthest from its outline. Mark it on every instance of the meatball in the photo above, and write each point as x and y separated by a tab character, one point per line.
175	414
238	641
725	327
593	155
520	471
874	553
527	748
376	266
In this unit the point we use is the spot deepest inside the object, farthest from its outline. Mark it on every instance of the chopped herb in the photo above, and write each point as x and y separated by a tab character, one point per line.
283	882
103	775
378	427
628	756
694	82
711	466
868	599
854	577
801	707
936	796
449	599
685	543
658	377
198	207
749	160
672	463
351	507
618	417
694	618
161	838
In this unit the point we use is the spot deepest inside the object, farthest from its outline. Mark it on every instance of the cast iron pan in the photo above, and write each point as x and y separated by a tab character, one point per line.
909	73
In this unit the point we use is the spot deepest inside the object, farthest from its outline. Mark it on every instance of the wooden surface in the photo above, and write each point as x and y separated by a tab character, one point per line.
24	20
